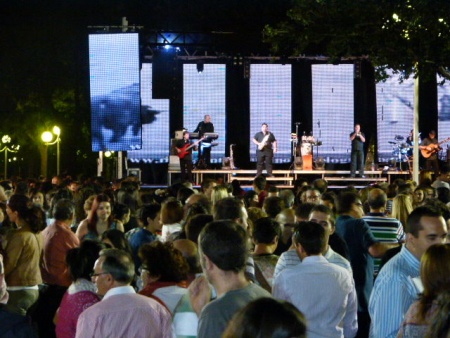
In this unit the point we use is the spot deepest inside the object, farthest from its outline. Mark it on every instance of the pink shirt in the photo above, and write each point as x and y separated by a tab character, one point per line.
123	313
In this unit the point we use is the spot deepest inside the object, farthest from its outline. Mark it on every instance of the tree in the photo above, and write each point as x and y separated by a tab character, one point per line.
408	36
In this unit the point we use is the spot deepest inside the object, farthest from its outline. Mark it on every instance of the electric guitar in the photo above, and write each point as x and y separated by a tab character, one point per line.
432	148
263	143
183	151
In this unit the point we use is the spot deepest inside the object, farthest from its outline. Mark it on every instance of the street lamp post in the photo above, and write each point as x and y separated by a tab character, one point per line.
6	139
47	137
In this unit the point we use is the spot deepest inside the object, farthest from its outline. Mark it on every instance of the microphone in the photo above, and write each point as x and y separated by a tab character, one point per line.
297	123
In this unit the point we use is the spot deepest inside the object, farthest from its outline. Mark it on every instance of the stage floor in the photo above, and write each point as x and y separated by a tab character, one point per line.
285	178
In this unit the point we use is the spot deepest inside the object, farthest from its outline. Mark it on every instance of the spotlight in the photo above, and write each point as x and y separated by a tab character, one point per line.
200	67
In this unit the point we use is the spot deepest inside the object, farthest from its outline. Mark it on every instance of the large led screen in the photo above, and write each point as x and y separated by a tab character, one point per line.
204	94
333	111
155	124
271	102
395	117
115	92
444	117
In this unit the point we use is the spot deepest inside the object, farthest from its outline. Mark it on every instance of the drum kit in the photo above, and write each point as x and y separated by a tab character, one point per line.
400	149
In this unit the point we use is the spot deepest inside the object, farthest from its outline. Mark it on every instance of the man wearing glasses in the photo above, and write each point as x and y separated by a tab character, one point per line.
122	312
362	245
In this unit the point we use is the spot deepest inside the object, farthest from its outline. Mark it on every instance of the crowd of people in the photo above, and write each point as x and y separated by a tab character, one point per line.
90	258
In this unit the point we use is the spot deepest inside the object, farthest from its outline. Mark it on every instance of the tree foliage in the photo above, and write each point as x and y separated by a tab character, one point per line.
399	34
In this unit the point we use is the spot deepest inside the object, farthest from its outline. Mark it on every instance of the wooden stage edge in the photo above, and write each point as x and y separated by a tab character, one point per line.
285	178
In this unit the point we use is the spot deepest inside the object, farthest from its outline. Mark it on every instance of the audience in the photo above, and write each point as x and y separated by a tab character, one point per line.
121	312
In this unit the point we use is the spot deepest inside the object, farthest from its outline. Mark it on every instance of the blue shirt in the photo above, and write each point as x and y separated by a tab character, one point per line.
359	238
140	237
393	294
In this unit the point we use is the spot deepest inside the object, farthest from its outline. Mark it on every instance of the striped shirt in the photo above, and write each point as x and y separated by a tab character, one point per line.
289	259
393	293
384	229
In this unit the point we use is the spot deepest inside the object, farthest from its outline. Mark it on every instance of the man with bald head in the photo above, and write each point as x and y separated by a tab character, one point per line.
384	229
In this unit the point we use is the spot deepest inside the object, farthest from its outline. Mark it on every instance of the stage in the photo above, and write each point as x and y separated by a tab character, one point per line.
285	178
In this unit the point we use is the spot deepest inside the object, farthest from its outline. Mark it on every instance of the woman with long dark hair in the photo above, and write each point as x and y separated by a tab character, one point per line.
100	219
23	251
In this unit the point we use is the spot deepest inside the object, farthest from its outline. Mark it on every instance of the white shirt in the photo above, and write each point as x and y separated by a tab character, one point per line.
324	293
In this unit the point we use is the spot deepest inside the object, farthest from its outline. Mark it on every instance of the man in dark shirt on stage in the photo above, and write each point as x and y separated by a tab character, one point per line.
358	138
203	127
429	149
266	147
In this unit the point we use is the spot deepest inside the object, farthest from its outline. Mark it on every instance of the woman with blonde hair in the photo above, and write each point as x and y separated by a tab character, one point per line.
402	207
435	276
219	192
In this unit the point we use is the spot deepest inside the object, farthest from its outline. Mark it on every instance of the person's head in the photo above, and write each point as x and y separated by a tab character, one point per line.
432	134
259	183
189	250
328	198
232	209
288	197
273	206
419	195
171	212
251	199
219	192
434	274
302	211
425	227
322	215
207	119
195	225
38	199
224	245
402	207
207	186
122	212
320	184
162	262
377	199
266	231
440	322
349	203
264	127
81	260
101	209
198	199
312	195
357	127
64	210
183	194
114	238
22	212
267	317
113	268
310	239
149	214
186	135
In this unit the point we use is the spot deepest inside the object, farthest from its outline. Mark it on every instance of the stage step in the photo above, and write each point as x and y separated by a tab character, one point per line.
355	179
241	178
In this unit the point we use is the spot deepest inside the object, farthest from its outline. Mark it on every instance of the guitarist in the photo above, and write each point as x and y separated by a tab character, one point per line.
431	144
266	147
185	156
203	127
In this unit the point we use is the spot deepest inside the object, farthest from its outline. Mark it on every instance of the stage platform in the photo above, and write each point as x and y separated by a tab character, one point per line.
285	178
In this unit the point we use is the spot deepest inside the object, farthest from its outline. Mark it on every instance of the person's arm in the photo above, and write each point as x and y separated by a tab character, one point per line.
255	141
13	251
350	322
275	146
378	249
199	294
361	137
82	229
352	136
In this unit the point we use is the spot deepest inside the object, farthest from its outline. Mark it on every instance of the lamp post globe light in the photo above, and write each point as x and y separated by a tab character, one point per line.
47	138
6	140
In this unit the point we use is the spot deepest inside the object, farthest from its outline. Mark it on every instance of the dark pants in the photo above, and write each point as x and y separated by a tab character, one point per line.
363	325
432	165
357	162
206	155
186	168
49	300
264	157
